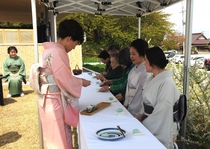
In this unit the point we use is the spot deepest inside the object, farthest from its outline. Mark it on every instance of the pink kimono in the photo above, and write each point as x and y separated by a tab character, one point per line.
58	75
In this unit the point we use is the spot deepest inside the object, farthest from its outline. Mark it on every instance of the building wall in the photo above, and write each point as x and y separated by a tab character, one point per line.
23	40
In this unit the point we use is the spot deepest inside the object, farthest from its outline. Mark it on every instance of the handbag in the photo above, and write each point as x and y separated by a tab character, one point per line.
77	71
71	114
180	109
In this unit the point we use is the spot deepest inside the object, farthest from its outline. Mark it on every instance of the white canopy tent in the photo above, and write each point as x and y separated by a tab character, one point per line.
117	7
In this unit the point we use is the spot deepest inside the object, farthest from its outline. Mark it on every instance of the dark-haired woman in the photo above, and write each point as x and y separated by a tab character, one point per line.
14	72
159	96
136	78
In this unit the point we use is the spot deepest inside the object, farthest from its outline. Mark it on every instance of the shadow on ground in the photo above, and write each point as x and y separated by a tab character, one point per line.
26	92
9	137
8	101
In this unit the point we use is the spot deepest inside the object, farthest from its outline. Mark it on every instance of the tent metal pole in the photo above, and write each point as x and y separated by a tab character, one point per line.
53	26
34	20
187	54
139	28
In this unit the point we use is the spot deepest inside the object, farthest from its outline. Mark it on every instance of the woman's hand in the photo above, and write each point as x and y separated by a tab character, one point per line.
104	73
107	82
104	89
119	96
140	117
85	83
99	76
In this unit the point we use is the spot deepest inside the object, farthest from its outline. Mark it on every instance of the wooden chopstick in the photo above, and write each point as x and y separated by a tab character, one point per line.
121	131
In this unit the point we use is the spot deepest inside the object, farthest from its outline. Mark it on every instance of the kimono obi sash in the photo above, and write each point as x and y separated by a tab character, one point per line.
179	109
42	82
14	69
47	81
147	110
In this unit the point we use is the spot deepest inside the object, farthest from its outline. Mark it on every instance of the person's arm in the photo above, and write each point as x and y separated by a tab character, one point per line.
6	70
117	81
119	85
22	70
119	88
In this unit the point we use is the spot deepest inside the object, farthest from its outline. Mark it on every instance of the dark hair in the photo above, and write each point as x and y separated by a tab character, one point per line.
11	48
156	56
124	57
113	48
116	56
103	54
71	28
140	45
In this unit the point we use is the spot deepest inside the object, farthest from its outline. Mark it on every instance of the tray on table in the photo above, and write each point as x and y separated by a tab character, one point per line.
99	106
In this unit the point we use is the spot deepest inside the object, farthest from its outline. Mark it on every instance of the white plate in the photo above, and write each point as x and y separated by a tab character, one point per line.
110	134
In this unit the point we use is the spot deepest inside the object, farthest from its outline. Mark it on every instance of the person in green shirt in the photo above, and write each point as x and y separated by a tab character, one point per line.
118	86
14	72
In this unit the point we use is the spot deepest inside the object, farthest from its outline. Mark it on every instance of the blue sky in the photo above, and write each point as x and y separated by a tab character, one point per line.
201	16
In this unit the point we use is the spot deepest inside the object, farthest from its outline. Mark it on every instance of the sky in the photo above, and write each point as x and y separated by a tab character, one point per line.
201	16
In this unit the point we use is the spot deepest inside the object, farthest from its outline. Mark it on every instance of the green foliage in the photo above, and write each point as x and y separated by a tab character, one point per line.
198	117
98	68
172	41
90	59
102	31
154	28
15	25
199	107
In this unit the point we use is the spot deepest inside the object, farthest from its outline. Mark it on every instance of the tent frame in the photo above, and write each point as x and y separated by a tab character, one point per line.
187	47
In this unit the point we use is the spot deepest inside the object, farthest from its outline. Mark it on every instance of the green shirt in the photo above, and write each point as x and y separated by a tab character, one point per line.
119	85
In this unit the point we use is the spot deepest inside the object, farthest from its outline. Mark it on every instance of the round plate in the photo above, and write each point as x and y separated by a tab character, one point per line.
110	134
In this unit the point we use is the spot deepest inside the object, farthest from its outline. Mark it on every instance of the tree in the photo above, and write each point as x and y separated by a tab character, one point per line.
172	41
154	27
104	30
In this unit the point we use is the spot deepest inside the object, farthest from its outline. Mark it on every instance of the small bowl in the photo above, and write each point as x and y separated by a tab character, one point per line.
111	98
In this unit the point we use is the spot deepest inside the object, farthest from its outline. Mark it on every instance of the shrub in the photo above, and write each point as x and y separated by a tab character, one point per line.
98	68
90	59
198	117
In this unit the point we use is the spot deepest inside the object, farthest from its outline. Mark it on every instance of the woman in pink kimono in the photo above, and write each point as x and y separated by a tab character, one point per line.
59	85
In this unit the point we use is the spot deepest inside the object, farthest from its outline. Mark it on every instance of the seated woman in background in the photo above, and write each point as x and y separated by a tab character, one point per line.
159	96
14	72
116	71
118	86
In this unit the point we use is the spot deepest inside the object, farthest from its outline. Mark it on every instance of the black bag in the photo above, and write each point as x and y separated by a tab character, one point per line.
180	109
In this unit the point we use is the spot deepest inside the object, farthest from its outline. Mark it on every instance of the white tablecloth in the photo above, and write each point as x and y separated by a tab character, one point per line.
108	118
